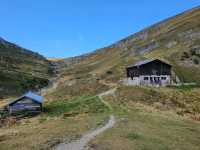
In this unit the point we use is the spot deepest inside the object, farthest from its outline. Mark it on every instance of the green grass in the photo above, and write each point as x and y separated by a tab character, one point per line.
133	136
185	87
84	104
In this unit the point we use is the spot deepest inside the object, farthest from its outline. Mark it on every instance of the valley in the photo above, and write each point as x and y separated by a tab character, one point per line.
87	89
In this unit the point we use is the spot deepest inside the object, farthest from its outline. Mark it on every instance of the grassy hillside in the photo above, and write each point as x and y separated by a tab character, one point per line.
175	40
21	69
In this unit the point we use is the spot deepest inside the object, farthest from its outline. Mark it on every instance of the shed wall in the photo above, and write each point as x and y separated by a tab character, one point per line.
25	104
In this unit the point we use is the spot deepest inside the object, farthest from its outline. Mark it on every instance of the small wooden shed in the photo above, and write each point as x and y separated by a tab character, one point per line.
29	103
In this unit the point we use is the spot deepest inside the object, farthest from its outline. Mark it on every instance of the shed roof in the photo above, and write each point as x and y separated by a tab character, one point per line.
31	95
34	96
143	62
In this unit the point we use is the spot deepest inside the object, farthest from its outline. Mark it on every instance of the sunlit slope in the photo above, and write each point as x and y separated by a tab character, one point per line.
175	40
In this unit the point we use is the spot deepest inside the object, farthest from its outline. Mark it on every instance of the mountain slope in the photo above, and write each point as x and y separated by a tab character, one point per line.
21	69
175	40
147	118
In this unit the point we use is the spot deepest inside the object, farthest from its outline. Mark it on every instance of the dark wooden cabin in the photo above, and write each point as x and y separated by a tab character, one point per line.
29	103
150	72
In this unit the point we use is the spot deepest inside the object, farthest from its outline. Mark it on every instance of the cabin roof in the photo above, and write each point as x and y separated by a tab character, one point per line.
31	95
143	62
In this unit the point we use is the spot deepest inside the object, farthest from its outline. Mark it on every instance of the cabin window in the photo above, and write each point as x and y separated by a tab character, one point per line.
163	78
146	78
156	78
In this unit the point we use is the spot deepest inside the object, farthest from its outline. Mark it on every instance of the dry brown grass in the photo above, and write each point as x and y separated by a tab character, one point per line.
181	101
53	126
141	126
44	132
5	101
55	59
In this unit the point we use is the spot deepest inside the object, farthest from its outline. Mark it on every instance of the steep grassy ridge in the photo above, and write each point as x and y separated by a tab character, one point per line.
21	69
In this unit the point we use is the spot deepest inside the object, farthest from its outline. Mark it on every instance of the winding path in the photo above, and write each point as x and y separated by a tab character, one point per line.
85	139
109	92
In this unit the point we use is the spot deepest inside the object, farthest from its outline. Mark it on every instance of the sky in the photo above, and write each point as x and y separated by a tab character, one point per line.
65	28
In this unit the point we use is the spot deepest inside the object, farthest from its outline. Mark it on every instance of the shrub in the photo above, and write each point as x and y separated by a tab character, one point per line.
196	61
133	136
109	72
185	55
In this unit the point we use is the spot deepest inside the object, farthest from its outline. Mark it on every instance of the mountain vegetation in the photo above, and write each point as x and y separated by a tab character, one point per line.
21	69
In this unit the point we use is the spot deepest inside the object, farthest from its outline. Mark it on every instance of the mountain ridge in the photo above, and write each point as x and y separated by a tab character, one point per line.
118	42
